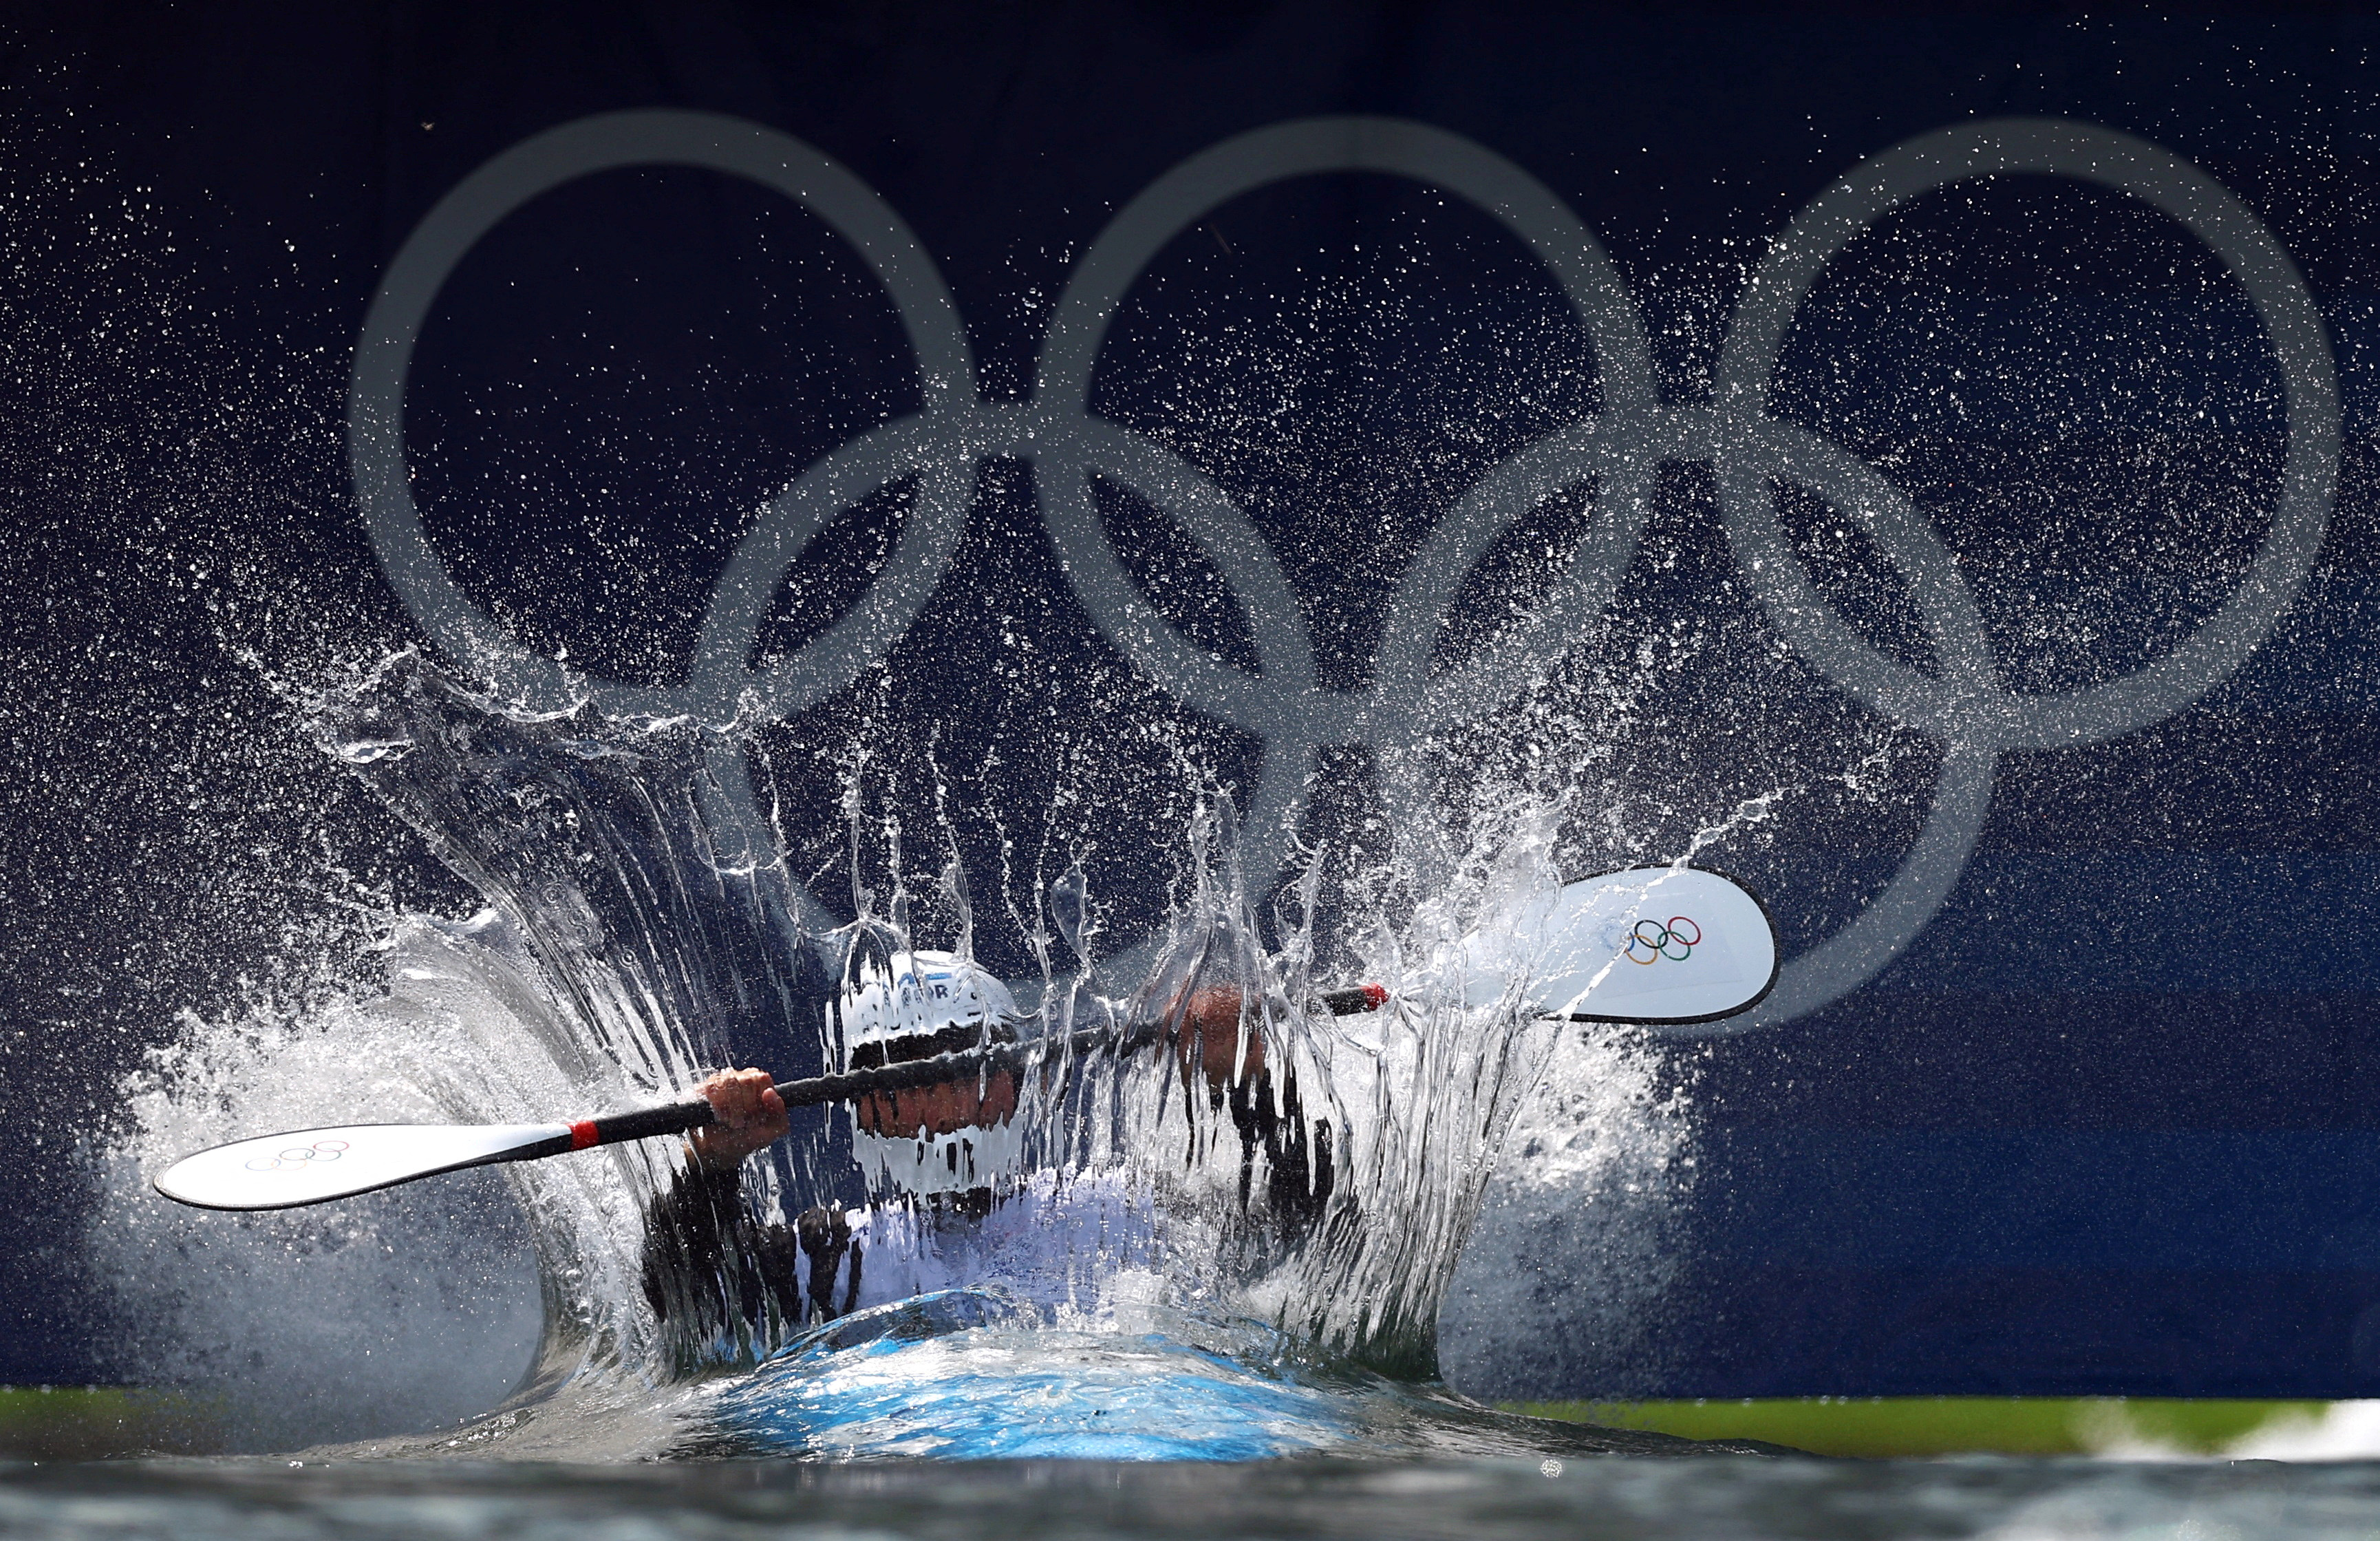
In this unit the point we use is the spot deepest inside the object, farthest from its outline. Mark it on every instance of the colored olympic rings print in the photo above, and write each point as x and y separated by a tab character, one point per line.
298	1157
1657	943
1961	706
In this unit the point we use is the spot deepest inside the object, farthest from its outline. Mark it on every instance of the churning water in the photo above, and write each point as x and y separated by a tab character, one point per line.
1175	1268
1617	1498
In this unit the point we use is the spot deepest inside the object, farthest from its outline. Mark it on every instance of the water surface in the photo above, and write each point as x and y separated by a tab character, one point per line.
1580	1495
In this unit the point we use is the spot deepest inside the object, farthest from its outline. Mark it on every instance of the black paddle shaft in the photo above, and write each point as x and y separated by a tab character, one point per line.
676	1118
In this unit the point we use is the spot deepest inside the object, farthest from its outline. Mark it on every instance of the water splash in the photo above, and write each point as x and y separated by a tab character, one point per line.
1315	1182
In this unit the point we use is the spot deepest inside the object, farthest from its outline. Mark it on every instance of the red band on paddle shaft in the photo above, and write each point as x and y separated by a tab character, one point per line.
1377	995
582	1135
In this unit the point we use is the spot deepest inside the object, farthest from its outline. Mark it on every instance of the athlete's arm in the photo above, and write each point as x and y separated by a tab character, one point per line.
707	1263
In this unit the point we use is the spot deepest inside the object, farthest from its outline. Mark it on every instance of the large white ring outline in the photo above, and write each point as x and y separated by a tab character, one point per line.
1978	710
1636	440
855	212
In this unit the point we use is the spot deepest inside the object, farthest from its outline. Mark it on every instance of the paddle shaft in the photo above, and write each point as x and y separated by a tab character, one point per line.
677	1118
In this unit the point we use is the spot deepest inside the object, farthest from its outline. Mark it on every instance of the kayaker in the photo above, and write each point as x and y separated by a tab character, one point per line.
941	1159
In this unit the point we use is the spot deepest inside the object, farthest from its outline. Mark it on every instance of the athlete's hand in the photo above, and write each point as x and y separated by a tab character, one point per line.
748	1115
1212	1029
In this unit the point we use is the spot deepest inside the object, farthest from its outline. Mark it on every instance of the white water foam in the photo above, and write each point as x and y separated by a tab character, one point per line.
405	1310
1577	1239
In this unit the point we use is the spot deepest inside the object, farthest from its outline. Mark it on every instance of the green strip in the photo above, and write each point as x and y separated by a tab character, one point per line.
1951	1426
81	1423
78	1422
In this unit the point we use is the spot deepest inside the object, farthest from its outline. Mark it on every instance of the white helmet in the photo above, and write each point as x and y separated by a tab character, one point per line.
928	1004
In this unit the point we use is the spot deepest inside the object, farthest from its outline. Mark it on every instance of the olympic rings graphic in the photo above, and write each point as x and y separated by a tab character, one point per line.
299	1157
1618	451
1657	942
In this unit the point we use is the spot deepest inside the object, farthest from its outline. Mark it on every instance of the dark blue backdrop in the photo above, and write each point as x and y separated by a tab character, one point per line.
2104	1123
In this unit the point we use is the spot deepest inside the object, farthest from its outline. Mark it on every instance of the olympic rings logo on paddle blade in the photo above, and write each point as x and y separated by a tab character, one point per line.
1657	943
299	1157
1963	706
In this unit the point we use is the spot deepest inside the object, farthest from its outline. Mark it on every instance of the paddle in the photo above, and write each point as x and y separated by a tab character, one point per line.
1647	945
1663	944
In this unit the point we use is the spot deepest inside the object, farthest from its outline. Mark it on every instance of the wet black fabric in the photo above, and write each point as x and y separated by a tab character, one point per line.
710	1268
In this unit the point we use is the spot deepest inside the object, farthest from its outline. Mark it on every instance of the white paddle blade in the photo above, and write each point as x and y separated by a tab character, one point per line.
1647	945
282	1171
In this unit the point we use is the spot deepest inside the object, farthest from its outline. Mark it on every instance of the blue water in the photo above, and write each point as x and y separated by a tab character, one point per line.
1027	1394
970	1375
